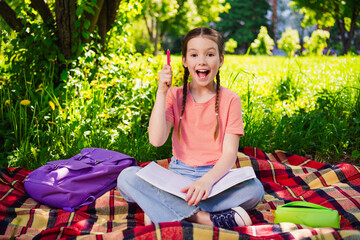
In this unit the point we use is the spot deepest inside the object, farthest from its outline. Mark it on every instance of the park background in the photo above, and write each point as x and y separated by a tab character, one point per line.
77	74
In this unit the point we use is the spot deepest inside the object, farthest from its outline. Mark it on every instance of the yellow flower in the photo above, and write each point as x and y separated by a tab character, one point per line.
29	83
39	89
25	102
86	95
93	82
7	102
52	105
104	115
51	122
103	85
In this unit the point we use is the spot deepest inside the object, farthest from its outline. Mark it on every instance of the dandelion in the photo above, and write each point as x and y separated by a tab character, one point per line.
25	102
7	102
103	85
93	83
52	105
86	95
104	115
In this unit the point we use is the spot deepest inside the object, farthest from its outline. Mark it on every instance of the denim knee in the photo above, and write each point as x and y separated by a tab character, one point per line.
127	180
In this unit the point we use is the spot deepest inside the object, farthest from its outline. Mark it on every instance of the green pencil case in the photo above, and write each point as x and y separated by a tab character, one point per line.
306	213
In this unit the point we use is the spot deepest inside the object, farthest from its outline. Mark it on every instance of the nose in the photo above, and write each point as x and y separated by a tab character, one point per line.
202	60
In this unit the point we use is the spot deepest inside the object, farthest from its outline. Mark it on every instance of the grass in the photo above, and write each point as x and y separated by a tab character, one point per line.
306	106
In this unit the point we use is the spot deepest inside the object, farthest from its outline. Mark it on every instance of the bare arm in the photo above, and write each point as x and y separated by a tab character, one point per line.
201	188
159	127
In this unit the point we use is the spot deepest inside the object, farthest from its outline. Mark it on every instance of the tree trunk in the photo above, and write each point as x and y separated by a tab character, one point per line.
65	12
346	37
9	17
44	10
107	18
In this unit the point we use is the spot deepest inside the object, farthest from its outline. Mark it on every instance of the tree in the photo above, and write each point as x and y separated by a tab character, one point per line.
263	44
326	13
178	16
316	43
243	20
57	30
73	21
289	41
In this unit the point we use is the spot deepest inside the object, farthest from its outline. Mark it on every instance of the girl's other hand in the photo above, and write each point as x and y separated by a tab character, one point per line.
197	191
165	79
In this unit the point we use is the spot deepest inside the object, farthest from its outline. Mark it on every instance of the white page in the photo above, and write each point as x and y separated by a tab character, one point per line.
171	182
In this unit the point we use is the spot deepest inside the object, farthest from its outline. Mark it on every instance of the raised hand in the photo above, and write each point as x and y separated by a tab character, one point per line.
165	79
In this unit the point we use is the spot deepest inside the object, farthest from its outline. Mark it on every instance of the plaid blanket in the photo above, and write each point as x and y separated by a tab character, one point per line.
285	178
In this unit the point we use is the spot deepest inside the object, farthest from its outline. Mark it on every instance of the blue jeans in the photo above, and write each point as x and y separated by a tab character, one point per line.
162	206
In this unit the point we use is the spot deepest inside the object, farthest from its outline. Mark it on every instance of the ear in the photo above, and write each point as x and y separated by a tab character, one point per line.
184	61
221	61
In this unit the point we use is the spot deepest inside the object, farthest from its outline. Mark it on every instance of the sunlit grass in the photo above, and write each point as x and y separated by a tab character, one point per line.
306	105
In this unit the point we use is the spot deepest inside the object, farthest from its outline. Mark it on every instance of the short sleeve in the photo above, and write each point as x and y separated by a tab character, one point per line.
235	123
169	106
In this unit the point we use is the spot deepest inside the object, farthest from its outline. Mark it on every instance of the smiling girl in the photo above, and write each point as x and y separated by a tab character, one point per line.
207	125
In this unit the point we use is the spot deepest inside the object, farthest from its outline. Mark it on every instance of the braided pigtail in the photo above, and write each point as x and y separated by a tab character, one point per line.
216	132
185	81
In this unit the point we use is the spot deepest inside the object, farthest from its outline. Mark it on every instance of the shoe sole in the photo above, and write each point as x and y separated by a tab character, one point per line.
243	215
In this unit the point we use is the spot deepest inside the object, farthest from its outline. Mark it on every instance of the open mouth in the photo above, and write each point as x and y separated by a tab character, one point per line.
202	73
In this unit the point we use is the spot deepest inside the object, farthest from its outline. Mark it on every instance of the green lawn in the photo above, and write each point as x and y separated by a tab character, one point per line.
305	105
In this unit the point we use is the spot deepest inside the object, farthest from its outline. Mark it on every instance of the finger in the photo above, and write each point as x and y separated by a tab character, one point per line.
199	197
167	67
206	195
194	197
189	194
185	189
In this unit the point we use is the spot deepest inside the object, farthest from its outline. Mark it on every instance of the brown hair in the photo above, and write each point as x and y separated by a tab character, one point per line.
214	36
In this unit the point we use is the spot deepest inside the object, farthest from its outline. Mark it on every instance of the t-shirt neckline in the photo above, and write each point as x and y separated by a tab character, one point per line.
193	100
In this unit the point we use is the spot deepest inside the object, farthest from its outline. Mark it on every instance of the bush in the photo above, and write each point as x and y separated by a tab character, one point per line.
289	41
316	43
263	44
230	45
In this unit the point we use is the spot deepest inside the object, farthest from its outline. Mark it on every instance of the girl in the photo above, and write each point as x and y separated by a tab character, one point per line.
207	125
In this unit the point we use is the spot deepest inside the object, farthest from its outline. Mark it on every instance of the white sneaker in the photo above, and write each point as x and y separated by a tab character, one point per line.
234	217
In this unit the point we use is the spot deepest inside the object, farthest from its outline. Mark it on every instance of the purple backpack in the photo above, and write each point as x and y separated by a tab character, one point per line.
73	183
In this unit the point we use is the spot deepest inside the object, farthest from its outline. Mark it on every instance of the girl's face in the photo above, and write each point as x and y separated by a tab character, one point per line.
203	60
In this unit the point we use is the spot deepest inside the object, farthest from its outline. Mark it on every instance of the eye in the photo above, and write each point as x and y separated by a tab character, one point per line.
211	54
193	55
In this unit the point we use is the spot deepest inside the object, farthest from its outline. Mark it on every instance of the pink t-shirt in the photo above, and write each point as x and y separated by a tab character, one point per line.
197	146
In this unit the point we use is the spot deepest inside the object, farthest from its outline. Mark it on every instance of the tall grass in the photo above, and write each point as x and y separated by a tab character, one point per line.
307	105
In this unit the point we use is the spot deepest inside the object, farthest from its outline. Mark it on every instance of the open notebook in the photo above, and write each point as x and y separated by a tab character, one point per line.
171	182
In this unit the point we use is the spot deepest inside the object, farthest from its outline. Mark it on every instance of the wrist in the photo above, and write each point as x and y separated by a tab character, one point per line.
161	93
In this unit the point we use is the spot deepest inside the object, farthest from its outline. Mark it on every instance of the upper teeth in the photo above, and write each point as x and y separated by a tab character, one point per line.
202	70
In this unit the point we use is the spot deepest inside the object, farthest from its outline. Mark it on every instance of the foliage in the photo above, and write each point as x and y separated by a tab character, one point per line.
325	13
263	44
242	20
289	41
178	16
316	43
230	45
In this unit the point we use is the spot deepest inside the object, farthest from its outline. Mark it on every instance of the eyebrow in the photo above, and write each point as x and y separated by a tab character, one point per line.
212	48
